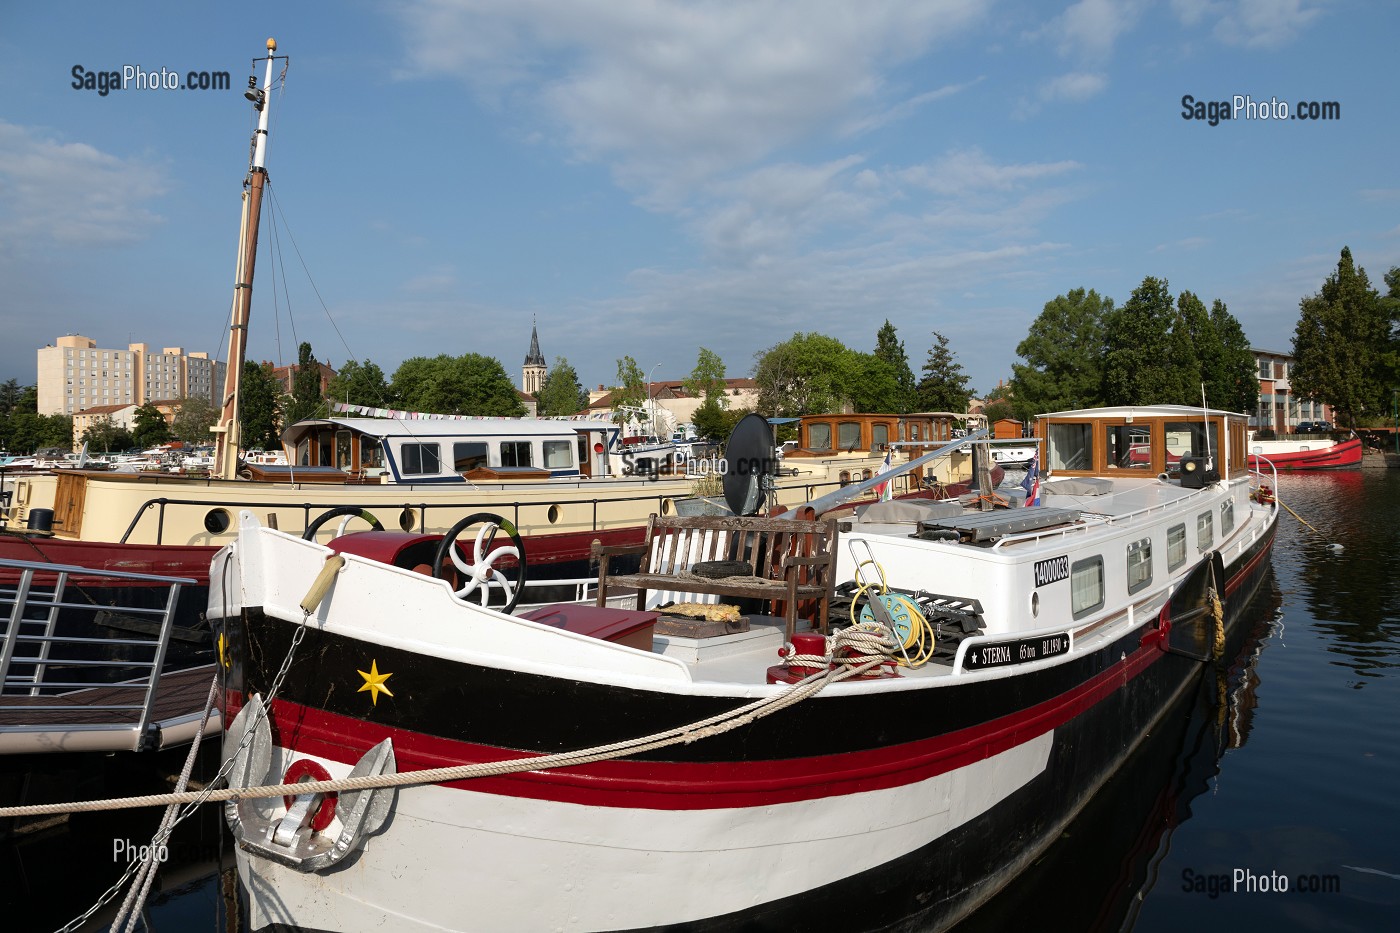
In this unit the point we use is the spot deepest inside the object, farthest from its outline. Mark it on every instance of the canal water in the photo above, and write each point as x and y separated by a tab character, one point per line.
1267	800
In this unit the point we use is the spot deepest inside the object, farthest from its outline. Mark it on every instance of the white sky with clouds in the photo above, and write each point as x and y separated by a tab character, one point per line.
650	177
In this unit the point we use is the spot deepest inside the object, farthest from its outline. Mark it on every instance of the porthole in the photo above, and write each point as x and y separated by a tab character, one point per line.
554	513
216	521
668	506
1035	605
407	520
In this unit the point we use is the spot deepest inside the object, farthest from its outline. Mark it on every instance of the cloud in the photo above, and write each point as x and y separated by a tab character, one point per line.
1075	86
1250	23
673	95
72	194
1092	27
970	170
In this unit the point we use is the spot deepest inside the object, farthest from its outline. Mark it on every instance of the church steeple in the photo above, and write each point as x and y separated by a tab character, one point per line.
533	372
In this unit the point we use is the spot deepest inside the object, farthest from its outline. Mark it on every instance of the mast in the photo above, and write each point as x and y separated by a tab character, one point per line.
227	443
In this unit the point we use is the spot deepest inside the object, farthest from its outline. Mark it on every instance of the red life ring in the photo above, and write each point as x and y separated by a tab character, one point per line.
304	769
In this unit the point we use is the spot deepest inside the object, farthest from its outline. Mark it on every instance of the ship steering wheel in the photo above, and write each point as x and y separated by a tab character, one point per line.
350	512
480	574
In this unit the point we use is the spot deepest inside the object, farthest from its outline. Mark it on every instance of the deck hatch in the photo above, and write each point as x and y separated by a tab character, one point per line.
988	526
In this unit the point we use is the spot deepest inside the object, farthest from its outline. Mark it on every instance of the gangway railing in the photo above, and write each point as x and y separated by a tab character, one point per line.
65	685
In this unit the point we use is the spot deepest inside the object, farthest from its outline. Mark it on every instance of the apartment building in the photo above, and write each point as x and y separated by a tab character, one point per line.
74	374
1279	409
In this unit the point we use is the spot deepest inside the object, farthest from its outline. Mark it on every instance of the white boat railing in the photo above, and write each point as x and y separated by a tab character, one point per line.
56	678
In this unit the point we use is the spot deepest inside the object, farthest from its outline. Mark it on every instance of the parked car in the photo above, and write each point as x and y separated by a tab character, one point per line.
1313	427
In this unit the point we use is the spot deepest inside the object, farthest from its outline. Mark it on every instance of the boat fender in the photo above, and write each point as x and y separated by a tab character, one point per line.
322	584
321	809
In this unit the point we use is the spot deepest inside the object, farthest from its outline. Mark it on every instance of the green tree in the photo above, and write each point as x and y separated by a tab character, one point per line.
806	374
1063	353
707	380
944	386
11	395
890	349
259	414
359	384
470	384
630	391
1144	347
104	435
193	418
1231	377
1341	345
306	400
561	393
150	428
874	384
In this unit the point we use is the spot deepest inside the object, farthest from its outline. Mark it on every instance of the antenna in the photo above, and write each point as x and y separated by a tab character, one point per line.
750	464
1205	416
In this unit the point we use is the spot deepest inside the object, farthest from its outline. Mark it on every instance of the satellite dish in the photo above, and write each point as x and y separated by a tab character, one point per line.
750	464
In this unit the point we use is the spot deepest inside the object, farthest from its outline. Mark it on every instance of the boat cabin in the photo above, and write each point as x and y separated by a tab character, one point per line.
449	450
1137	440
867	434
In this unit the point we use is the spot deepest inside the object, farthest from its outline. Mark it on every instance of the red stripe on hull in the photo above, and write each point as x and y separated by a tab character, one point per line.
696	786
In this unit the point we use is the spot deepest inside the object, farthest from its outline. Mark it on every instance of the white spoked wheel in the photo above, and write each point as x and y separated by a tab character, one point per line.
481	575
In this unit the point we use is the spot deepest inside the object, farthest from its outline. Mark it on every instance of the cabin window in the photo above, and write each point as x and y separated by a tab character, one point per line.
1139	564
304	452
913	431
468	455
1176	546
558	455
342	450
1227	518
1128	446
879	436
1086	586
421	459
516	454
844	477
1070	447
1188	439
1205	531
848	435
819	436
371	454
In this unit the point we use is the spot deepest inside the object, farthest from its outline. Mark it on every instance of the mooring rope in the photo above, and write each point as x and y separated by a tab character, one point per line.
715	725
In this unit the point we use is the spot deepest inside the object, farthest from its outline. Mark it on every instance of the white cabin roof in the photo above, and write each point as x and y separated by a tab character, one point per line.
1182	412
449	427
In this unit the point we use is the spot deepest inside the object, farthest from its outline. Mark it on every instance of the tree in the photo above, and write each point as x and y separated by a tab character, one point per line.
707	378
259	411
306	400
890	349
1143	351
359	384
104	435
150	428
944	386
1342	343
561	393
806	374
1232	381
717	423
630	391
470	384
193	418
874	384
1064	356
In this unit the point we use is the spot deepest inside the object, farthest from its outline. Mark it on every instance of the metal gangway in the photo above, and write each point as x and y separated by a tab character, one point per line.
79	673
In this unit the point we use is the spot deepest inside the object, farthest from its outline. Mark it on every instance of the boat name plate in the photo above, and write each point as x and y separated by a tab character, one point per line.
1020	651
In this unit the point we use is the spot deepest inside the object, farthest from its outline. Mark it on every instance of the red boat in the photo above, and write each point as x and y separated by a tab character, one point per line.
1305	455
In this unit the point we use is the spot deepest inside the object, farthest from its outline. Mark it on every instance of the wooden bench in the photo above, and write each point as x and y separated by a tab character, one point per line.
789	561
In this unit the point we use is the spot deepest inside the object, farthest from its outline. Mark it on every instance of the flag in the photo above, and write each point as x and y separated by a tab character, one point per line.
886	489
1031	484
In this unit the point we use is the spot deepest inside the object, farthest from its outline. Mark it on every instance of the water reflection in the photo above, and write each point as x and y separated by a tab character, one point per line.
1352	594
1098	874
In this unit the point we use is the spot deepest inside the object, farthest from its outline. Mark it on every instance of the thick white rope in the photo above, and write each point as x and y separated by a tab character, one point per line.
714	725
